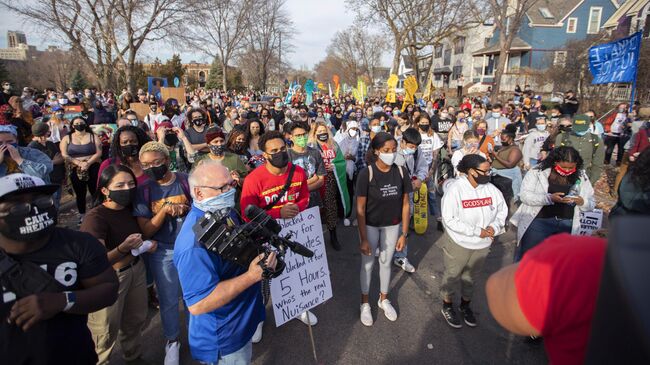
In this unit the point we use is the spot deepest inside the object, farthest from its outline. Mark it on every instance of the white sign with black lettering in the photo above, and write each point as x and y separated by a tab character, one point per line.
590	222
305	282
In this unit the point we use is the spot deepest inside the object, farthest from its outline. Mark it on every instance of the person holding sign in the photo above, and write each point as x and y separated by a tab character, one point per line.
381	186
552	196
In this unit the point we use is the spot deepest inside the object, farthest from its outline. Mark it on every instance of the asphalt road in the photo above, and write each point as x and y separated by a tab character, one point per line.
419	336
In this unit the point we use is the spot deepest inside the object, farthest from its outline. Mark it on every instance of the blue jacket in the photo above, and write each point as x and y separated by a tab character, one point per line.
35	163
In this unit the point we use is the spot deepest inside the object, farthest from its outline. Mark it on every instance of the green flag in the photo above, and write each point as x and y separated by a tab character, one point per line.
341	181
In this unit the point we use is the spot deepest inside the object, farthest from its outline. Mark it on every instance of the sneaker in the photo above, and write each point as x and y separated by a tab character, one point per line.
308	317
346	222
450	316
257	336
171	352
389	311
366	316
404	263
468	315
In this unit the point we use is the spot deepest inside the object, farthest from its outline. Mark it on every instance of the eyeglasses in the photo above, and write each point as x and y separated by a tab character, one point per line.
222	189
24	208
152	164
482	171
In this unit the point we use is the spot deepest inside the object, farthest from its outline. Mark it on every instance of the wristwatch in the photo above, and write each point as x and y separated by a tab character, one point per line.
70	299
405	235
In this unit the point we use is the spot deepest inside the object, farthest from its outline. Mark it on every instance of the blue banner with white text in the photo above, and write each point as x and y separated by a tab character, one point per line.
616	61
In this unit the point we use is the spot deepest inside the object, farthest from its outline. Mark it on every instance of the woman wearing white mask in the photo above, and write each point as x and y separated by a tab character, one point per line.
381	187
348	139
469	147
534	142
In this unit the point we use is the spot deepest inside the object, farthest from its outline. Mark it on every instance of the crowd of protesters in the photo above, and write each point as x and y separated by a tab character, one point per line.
517	165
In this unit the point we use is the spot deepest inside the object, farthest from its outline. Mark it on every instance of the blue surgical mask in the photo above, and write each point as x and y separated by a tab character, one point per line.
216	203
375	128
408	151
496	115
541	127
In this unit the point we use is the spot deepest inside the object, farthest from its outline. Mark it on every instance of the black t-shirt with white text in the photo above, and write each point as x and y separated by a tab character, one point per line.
384	195
69	257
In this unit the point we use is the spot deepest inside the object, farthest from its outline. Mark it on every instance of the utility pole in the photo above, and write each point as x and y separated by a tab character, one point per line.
280	86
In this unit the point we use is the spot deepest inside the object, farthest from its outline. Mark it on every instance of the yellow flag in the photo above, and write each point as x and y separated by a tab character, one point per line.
361	88
410	87
392	84
428	92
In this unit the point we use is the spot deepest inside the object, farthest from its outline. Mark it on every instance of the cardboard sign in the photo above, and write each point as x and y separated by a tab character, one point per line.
177	93
590	222
140	109
305	282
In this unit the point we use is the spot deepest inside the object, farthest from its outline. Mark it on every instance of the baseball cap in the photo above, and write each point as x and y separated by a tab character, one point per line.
581	123
23	183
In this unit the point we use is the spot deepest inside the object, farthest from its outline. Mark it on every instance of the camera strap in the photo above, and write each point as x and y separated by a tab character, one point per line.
25	278
285	188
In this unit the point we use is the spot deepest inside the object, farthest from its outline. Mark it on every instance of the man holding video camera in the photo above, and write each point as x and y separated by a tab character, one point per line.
224	299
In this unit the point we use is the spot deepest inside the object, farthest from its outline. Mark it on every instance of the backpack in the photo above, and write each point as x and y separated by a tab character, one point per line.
401	173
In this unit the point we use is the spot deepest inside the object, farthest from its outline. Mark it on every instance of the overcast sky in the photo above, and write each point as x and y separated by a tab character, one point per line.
315	22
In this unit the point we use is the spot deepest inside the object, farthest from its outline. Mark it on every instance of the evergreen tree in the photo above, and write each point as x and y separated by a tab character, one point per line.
78	81
215	78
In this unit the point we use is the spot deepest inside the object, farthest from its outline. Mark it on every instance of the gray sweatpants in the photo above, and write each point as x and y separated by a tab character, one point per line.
386	239
461	264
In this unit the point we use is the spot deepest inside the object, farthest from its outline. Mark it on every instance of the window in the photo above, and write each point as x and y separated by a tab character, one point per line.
546	13
438	77
459	45
571	25
559	58
458	70
437	51
595	13
447	58
486	42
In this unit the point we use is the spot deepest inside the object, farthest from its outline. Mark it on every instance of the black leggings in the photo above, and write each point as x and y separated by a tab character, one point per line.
610	143
81	187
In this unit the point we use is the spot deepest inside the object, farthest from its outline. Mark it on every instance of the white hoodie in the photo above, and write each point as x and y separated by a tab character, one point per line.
466	210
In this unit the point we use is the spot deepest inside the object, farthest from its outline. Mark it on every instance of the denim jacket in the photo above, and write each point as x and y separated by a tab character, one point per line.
35	163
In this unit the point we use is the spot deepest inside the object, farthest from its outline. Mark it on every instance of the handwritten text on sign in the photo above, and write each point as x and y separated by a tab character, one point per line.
305	282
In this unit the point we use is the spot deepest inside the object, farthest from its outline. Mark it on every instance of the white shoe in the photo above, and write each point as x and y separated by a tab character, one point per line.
389	311
171	352
257	336
404	263
366	316
308	317
346	222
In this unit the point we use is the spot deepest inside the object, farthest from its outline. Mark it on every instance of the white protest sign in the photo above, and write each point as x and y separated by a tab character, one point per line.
590	222
305	282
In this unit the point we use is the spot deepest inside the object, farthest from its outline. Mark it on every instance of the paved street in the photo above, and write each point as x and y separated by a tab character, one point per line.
419	336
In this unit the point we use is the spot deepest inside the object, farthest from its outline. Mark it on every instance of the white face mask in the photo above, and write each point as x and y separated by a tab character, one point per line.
352	133
541	127
387	158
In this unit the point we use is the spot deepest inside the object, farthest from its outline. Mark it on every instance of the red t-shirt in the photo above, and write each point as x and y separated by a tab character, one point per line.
557	287
261	187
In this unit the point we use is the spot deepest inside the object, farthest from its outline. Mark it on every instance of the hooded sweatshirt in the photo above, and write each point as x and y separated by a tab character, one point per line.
466	210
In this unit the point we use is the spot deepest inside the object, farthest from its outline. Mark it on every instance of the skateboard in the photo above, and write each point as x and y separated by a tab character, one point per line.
420	209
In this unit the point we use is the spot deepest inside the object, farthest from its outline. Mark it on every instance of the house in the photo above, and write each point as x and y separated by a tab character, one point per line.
541	39
631	17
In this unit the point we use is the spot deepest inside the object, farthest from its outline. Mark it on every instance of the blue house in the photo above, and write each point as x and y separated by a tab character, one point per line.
542	38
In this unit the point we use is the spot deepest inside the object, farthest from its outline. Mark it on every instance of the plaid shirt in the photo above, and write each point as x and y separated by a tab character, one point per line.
364	144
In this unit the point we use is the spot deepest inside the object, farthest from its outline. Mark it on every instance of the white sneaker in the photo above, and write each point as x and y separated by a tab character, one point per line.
171	352
366	316
389	311
404	263
346	222
308	317
257	336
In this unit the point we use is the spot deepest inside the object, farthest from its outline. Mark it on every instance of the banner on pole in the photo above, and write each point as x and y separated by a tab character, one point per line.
616	61
305	282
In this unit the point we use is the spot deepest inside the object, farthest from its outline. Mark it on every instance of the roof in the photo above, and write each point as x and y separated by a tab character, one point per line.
558	9
518	44
628	8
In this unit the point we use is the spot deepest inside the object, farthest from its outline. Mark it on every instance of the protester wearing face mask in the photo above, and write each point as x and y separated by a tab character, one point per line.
485	141
125	148
195	131
589	146
496	122
301	154
364	143
6	93
430	149
48	326
381	187
182	154
469	147
153	115
160	205
552	195
505	162
534	141
111	221
264	188
216	142
618	135
238	142
474	213
40	132
455	136
348	139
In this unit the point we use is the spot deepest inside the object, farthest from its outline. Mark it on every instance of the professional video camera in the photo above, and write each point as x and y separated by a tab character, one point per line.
220	233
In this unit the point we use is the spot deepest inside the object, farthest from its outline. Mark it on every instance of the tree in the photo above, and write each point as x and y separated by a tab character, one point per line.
215	78
3	71
358	51
218	28
332	65
105	33
78	81
173	68
508	16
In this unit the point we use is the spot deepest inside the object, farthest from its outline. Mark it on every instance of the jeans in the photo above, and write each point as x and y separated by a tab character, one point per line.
434	205
618	142
539	230
242	356
169	288
513	174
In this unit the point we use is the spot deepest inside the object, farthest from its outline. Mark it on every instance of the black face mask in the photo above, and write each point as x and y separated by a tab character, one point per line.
482	179
156	173
424	127
130	150
198	122
565	128
34	225
122	197
322	137
279	159
171	139
217	150
80	127
238	146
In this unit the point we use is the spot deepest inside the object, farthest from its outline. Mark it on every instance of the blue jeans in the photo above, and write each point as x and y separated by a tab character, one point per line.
434	205
169	288
513	174
539	230
242	356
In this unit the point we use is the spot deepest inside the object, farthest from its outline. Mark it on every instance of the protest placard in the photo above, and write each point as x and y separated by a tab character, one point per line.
590	222
177	93
140	109
305	282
